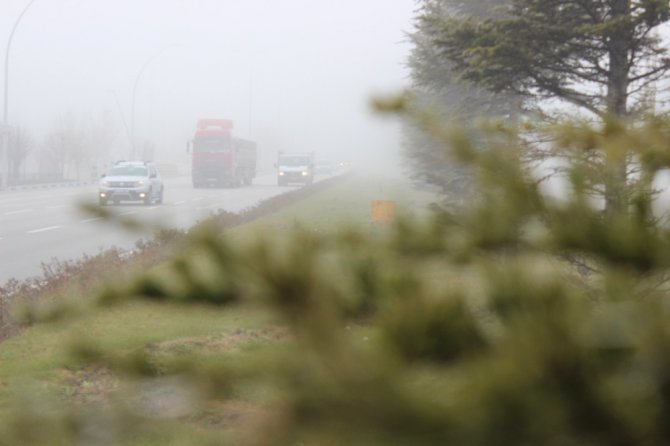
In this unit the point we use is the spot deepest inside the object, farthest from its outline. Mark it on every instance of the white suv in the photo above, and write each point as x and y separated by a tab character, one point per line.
131	181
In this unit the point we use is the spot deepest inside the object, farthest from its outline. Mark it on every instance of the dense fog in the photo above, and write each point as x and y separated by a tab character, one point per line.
293	75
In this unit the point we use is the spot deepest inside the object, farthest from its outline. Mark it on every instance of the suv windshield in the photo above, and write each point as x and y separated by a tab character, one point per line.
128	170
294	161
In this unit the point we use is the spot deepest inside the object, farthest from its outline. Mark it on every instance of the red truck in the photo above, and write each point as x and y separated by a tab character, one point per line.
219	158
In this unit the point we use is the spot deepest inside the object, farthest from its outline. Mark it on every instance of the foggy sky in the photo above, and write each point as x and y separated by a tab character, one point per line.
291	74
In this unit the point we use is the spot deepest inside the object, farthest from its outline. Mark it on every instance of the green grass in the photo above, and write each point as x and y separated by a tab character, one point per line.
346	204
43	349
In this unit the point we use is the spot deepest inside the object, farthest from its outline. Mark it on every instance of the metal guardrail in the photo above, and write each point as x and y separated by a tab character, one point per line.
23	187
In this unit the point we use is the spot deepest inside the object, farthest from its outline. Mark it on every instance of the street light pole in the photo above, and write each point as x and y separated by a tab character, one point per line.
123	118
5	114
133	147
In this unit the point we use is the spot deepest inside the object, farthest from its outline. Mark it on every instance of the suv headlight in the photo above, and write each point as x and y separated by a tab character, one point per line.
104	183
139	183
304	173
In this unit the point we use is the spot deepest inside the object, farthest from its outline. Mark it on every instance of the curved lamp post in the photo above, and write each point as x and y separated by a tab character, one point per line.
123	118
132	109
5	114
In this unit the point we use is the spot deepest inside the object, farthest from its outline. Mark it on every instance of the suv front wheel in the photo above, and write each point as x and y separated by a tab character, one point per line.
147	198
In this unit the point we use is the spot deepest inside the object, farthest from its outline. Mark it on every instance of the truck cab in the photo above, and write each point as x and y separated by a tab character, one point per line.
219	158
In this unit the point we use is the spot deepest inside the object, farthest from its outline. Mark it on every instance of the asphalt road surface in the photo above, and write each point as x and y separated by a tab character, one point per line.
39	225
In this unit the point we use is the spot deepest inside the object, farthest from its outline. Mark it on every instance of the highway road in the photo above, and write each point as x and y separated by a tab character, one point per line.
40	225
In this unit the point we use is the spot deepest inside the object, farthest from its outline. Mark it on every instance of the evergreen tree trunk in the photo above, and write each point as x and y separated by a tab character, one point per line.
617	98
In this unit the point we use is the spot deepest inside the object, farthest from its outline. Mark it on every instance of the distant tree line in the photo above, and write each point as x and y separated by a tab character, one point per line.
68	151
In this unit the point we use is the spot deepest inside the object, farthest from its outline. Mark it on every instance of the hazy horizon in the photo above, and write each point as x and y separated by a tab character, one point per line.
291	74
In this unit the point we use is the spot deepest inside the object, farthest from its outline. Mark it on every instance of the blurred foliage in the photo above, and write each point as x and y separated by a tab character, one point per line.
517	318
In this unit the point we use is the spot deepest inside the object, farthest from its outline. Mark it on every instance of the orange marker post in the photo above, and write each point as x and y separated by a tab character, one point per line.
383	211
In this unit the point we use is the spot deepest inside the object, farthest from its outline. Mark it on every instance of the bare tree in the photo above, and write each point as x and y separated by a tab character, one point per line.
21	144
52	157
100	134
61	149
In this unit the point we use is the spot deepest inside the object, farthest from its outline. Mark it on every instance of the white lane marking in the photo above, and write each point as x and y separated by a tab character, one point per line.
198	199
22	211
89	220
126	213
60	206
48	228
178	202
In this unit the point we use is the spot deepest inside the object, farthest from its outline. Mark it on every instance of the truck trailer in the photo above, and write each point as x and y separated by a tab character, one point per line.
219	158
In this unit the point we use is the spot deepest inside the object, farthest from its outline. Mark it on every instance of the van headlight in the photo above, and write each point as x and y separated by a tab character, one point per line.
281	174
304	173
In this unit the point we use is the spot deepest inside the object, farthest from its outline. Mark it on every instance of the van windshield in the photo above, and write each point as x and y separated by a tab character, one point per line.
294	161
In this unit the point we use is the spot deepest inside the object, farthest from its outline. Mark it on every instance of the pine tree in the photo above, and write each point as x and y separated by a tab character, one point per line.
436	85
598	55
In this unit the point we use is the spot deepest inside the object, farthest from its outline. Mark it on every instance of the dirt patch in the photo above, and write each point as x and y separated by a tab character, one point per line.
93	384
97	384
227	342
